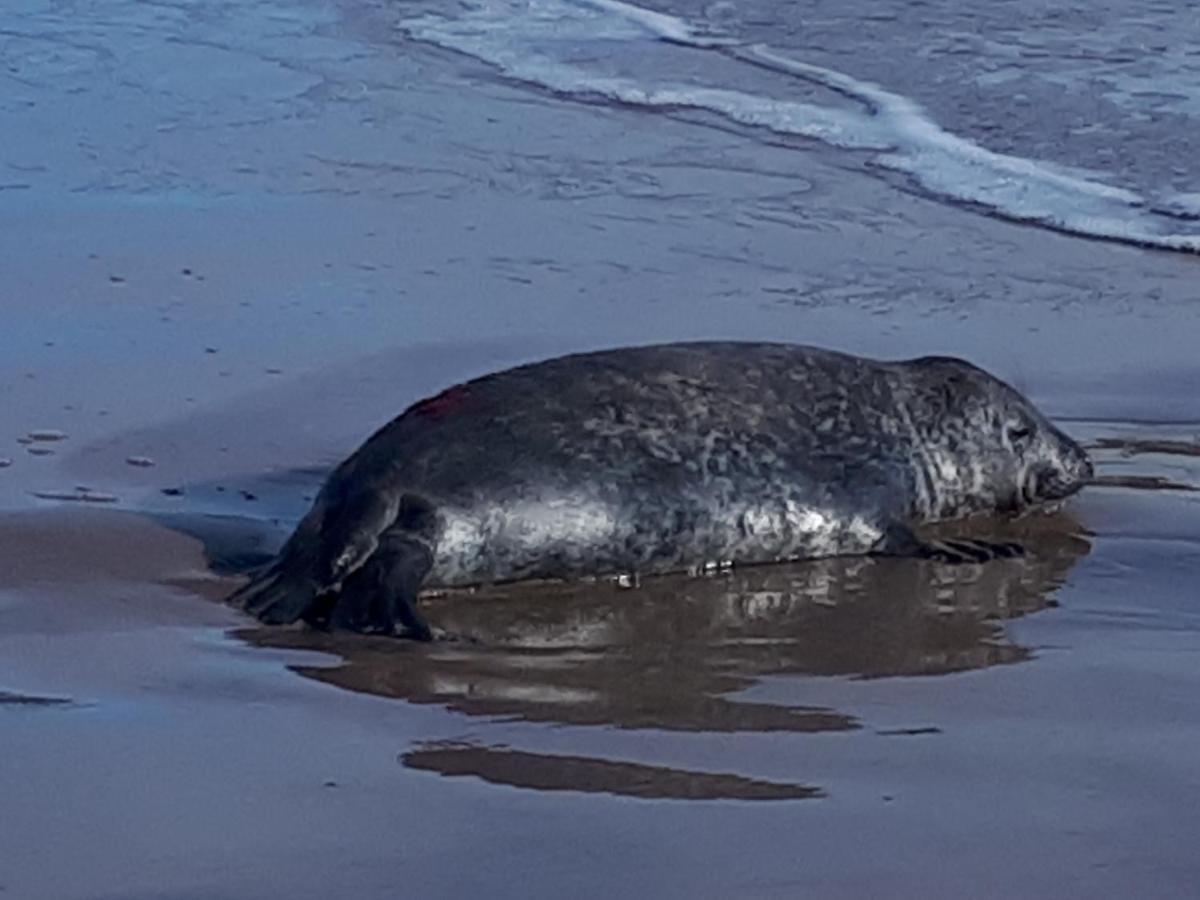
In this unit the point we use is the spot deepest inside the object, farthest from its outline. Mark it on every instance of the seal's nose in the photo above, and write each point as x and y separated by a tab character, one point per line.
1080	464
1076	464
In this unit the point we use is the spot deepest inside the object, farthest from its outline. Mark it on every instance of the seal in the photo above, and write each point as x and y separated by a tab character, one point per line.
657	459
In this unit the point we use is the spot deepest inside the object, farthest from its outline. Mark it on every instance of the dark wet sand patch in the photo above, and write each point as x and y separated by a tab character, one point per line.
8	698
1137	446
1143	483
92	544
79	495
587	775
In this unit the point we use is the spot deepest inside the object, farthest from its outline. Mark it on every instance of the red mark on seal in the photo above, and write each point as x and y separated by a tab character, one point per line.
443	404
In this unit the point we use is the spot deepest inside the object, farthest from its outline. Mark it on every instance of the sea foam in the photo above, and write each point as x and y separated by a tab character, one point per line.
537	41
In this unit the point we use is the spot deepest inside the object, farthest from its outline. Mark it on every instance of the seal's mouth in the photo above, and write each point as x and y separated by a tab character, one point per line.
1046	484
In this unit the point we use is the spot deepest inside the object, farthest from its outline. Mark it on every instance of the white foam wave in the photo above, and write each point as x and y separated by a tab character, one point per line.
659	24
538	40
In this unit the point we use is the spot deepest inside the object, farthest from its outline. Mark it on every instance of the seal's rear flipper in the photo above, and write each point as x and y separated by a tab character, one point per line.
899	540
276	596
383	591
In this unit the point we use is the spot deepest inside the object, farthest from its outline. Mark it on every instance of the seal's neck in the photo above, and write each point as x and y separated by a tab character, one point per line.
947	486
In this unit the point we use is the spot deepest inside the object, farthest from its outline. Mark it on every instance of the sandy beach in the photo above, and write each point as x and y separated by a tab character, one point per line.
238	238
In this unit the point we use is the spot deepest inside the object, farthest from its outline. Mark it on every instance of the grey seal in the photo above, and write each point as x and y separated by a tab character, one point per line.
647	460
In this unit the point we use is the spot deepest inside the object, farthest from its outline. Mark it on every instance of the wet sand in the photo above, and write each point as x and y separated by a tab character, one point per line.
1025	727
229	287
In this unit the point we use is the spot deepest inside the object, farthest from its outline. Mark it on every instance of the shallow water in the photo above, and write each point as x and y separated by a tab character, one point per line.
237	238
800	70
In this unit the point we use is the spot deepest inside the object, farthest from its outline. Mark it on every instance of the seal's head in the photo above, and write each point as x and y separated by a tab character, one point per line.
988	446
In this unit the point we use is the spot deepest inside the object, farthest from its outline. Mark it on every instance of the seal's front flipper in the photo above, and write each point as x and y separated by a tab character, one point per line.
383	591
972	550
899	540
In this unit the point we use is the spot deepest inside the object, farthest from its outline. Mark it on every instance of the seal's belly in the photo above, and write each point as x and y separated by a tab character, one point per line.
573	537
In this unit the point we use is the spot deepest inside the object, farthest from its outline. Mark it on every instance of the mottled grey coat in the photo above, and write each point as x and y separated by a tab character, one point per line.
657	459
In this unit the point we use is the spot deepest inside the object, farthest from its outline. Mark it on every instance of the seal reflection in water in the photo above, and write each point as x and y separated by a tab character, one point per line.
660	459
678	654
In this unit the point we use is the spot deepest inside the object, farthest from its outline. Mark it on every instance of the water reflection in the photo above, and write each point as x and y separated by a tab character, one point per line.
674	653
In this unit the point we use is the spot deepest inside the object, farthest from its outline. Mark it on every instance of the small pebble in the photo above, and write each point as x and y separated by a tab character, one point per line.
79	495
173	492
47	434
5	462
39	451
116	279
140	461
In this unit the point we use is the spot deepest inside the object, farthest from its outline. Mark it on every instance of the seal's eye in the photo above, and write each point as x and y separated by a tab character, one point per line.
1019	434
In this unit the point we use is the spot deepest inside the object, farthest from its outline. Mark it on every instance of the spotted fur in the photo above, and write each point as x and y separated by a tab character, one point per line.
669	458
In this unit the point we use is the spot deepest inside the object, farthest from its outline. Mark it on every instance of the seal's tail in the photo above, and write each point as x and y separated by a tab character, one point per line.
277	595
